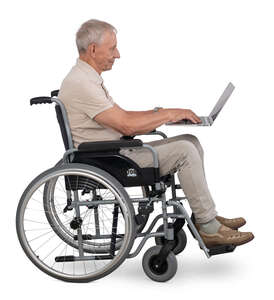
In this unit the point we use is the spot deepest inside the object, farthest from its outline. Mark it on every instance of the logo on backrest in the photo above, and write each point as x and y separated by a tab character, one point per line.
131	173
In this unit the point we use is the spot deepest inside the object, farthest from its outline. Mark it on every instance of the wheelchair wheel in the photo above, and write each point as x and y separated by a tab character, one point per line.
53	254
158	272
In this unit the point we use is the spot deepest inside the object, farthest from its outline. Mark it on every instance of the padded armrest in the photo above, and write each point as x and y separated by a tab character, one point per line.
109	145
153	132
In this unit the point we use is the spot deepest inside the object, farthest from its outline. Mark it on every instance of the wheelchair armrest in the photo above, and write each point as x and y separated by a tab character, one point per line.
108	145
153	132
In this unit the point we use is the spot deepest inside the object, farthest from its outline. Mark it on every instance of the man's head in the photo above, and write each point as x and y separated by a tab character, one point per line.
97	44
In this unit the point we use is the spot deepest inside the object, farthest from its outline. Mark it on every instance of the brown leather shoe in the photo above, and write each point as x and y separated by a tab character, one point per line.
225	236
232	223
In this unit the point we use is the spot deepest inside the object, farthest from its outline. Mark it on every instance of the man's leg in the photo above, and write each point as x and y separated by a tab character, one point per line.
183	155
231	223
187	137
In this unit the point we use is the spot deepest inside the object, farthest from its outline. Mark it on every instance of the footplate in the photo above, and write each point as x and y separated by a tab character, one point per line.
217	249
221	249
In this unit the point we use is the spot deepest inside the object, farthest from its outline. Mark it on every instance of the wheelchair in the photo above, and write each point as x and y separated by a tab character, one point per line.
78	221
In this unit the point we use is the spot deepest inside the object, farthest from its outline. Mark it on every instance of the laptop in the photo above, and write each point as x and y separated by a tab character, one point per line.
208	121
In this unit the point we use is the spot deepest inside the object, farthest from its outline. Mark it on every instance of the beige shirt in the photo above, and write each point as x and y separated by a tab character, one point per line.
84	96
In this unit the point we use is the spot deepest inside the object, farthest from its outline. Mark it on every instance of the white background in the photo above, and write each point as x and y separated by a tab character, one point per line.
173	54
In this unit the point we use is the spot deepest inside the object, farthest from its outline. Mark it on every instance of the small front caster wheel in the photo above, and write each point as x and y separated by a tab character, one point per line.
180	240
154	270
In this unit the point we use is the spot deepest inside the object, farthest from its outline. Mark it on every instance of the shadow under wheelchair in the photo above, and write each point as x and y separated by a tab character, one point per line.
189	269
79	220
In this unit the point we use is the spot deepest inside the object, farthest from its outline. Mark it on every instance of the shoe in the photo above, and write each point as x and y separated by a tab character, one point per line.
232	223
225	236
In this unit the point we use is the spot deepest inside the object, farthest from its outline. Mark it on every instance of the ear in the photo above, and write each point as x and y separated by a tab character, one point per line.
92	49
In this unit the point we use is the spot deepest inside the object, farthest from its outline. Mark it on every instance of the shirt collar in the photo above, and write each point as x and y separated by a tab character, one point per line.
89	70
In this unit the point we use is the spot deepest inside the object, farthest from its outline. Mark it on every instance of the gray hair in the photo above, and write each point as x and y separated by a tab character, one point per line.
91	32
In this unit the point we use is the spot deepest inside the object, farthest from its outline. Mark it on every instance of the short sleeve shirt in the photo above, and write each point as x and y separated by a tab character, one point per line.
84	96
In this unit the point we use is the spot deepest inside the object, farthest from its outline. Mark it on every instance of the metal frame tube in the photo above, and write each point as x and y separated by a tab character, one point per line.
181	208
79	230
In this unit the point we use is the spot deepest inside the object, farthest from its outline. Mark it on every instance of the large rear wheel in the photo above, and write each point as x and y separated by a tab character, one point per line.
58	244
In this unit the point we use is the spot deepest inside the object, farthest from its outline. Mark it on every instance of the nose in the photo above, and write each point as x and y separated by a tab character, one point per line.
116	53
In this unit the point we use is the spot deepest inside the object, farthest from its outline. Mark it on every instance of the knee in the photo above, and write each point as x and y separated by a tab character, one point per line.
188	148
195	141
192	138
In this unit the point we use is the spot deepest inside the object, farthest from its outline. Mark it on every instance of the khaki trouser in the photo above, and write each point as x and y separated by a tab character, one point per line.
184	154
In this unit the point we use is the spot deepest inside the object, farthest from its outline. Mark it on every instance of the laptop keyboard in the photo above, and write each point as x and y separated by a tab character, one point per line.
203	123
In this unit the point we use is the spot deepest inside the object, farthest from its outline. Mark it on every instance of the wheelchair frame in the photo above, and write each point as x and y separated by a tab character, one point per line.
182	213
169	231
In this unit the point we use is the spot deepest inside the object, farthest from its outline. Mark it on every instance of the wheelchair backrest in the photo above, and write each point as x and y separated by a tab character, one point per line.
62	118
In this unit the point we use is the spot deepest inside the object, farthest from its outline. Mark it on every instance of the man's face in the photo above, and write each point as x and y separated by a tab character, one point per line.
106	53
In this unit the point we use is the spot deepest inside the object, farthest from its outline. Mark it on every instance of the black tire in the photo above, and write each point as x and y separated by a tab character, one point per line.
167	270
180	240
47	264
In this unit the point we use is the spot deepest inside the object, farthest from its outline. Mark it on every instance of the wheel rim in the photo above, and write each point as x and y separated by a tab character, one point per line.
44	259
154	265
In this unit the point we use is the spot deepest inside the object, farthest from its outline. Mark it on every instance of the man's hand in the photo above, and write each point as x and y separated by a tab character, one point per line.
179	114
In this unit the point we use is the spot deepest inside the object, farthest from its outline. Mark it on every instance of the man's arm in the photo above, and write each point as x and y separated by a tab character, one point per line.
131	123
128	123
137	113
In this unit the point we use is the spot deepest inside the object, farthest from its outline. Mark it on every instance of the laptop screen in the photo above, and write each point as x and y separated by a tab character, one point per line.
222	101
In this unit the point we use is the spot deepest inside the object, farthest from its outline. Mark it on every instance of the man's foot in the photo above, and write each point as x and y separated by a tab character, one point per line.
225	236
232	223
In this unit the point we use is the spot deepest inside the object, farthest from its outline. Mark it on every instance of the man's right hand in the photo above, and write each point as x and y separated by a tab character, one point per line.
178	114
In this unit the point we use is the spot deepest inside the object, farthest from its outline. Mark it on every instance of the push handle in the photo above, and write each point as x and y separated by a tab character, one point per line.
40	100
54	93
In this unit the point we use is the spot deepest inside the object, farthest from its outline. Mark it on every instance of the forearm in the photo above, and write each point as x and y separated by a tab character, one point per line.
143	122
139	113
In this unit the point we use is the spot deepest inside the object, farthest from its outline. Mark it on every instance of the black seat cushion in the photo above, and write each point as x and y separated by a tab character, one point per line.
108	145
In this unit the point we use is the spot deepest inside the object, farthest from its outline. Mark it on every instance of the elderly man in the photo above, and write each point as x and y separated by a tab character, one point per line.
94	116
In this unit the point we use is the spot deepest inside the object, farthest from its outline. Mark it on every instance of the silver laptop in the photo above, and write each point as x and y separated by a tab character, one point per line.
208	121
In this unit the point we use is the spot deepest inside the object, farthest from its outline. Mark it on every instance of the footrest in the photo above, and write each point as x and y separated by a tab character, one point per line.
85	237
221	249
